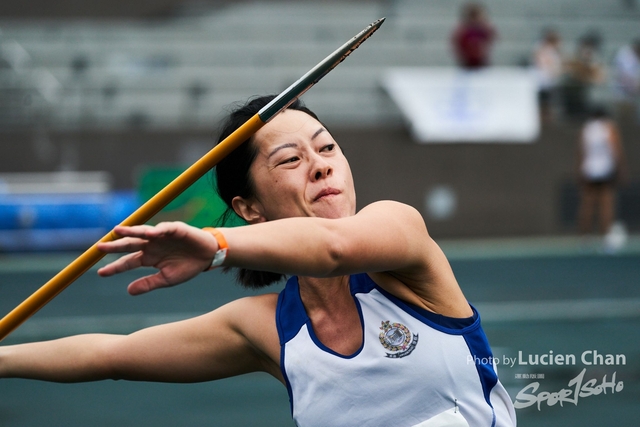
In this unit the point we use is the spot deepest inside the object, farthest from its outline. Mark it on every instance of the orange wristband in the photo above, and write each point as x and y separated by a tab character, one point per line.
223	247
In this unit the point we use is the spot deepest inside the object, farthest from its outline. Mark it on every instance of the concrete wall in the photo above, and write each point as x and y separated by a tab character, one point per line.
500	189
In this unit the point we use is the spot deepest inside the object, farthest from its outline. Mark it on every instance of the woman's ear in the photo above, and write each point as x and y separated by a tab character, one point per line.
249	210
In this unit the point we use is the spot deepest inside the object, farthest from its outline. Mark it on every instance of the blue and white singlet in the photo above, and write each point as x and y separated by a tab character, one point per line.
415	368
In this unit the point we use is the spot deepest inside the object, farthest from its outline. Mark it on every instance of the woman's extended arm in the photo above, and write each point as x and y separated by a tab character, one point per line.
237	338
385	236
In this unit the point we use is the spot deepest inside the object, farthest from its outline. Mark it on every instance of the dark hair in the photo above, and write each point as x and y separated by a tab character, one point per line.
472	11
599	111
233	178
592	39
550	34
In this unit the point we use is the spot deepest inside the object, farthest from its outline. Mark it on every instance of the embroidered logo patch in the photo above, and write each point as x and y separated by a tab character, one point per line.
398	339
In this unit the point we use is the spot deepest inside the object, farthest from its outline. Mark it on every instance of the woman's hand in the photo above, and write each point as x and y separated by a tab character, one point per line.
178	250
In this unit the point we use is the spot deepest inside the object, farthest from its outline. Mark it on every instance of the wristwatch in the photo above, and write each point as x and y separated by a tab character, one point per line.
223	247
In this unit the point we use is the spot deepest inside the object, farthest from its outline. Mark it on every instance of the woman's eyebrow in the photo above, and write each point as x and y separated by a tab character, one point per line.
293	144
318	132
280	147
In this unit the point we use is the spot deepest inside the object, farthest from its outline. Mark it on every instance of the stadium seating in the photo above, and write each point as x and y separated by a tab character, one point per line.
183	72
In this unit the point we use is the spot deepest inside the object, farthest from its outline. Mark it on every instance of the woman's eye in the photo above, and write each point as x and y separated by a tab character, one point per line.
329	147
290	160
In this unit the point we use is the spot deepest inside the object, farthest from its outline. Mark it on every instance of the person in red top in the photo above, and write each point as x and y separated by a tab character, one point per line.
473	37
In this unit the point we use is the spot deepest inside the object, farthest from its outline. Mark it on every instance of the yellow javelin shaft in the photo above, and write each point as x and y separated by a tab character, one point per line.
145	212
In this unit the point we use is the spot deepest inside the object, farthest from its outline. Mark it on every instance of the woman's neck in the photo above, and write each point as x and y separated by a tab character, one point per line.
333	313
324	293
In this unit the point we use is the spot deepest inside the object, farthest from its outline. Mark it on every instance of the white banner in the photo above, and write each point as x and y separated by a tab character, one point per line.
453	105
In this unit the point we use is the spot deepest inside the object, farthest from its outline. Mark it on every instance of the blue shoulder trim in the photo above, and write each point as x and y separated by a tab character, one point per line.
483	359
362	283
290	317
290	313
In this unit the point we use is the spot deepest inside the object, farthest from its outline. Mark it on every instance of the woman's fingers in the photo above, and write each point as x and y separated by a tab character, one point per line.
146	231
135	238
136	230
169	247
124	263
146	284
126	244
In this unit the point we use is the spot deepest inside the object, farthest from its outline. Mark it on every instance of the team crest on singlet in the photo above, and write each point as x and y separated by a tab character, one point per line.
398	339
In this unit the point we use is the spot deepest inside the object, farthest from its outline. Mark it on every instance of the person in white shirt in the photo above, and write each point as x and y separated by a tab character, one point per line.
549	68
601	167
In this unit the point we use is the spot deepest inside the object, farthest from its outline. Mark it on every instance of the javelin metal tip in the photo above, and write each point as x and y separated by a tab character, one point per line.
304	83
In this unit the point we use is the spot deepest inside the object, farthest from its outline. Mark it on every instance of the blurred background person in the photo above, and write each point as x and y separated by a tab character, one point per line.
584	71
601	169
548	66
473	37
626	75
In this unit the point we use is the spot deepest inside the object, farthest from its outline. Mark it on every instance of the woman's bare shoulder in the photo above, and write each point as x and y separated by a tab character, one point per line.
391	205
254	318
253	310
397	211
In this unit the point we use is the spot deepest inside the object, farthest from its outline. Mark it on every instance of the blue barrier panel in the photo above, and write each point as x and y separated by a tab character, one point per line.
60	221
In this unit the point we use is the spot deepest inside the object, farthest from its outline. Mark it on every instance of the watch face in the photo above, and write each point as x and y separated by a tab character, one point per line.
219	257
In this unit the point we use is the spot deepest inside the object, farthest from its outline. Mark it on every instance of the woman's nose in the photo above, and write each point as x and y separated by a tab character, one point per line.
322	169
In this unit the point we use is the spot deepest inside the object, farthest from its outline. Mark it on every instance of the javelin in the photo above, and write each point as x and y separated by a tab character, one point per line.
145	212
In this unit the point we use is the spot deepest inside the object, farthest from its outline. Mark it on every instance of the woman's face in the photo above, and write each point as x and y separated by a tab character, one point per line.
300	170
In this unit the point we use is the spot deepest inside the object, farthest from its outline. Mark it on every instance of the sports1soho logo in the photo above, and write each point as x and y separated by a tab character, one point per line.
578	387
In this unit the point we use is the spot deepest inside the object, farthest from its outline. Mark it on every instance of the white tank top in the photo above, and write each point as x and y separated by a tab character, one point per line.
412	369
598	162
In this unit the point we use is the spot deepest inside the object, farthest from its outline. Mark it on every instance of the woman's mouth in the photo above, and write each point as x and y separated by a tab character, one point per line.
326	193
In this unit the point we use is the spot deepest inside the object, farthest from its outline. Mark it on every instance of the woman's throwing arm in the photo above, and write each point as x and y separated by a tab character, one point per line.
237	338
